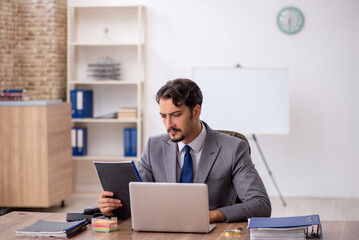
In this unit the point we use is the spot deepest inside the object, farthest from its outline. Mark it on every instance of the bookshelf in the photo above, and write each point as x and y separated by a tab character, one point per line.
117	32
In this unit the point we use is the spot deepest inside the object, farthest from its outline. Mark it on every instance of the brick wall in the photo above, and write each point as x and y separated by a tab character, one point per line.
33	47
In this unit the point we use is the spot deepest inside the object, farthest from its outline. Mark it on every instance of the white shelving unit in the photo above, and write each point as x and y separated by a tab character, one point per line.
117	32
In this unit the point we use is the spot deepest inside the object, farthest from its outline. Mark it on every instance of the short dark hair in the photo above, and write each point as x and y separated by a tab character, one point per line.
182	91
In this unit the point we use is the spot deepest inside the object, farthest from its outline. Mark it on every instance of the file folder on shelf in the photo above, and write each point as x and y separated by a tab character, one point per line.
79	141
127	141
130	142
81	103
133	145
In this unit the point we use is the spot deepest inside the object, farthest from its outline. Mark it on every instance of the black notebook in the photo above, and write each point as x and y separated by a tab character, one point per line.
43	228
115	177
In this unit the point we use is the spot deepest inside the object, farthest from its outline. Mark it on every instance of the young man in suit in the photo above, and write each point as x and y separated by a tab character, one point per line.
191	151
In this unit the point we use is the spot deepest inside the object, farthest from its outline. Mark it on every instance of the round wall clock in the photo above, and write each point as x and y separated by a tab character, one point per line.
290	20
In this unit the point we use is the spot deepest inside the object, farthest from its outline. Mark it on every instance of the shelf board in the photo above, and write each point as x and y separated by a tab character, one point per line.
106	6
114	44
103	158
103	120
103	82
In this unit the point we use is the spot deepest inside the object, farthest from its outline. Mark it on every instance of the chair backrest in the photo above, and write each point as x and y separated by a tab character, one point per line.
236	134
241	136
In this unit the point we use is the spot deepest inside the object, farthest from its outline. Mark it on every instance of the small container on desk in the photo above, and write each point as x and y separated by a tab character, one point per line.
103	224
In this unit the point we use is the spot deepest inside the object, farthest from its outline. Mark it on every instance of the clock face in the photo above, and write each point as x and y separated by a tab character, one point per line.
290	20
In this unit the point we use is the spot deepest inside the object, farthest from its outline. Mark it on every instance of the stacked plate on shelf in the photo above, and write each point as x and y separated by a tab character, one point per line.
104	69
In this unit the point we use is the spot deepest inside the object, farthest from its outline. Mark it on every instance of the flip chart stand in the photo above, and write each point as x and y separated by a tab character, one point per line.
269	171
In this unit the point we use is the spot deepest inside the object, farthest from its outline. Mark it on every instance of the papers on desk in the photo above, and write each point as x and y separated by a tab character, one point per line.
300	227
43	228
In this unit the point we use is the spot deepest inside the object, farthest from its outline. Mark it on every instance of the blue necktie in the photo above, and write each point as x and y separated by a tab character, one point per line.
187	169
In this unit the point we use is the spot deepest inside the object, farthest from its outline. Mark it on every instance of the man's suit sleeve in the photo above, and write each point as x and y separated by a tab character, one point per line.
144	165
249	187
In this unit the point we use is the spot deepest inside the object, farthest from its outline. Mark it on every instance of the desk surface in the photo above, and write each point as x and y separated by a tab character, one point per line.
9	223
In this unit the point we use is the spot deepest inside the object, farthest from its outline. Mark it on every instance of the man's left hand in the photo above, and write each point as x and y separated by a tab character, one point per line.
216	216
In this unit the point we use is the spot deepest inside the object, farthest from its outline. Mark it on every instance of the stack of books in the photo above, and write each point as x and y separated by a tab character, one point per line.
50	229
127	113
13	95
299	227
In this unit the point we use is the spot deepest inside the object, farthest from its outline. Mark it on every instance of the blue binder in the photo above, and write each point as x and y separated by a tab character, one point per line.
73	103
79	141
127	142
81	103
133	145
286	227
130	142
284	222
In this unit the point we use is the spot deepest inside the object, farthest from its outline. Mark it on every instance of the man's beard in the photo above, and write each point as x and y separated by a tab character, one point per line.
175	139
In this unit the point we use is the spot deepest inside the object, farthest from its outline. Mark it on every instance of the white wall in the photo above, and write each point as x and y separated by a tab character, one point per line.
319	156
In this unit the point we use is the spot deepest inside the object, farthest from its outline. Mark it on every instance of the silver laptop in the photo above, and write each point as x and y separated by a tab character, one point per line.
170	207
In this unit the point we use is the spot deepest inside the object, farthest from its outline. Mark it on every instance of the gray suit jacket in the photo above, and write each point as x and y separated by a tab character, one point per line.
225	166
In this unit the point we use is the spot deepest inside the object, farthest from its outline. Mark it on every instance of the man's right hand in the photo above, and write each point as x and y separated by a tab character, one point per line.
107	204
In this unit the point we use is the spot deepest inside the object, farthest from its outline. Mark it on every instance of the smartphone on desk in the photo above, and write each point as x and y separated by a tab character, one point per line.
88	213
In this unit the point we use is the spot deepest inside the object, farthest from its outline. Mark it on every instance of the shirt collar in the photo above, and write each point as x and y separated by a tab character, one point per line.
197	143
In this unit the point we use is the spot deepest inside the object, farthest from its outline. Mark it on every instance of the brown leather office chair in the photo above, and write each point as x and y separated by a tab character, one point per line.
236	134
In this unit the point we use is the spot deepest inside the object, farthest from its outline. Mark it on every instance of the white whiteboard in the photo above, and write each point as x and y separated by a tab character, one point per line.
251	101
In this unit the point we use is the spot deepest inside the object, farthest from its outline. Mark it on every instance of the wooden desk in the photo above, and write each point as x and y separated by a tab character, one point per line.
9	223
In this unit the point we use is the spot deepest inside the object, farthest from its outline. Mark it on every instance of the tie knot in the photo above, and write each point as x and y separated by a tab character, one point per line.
187	148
